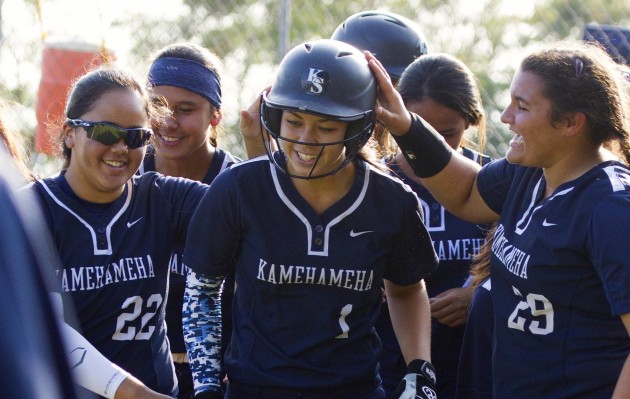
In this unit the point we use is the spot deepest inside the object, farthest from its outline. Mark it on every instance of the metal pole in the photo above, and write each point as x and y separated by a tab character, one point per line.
1	34
284	28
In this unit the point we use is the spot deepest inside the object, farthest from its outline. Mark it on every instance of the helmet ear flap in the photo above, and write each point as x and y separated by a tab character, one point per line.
271	118
362	129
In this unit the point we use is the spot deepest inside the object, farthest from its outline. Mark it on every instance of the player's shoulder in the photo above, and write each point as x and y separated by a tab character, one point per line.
476	156
242	176
606	182
47	187
385	178
614	176
250	166
394	190
148	178
226	158
606	191
154	183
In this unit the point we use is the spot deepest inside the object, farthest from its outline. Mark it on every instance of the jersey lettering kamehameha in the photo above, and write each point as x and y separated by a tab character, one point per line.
115	266
560	276
220	161
308	285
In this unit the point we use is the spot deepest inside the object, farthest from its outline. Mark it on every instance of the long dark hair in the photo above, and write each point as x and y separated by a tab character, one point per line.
447	81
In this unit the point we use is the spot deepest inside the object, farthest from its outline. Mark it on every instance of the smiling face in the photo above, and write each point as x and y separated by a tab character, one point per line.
186	130
304	159
536	140
97	172
450	123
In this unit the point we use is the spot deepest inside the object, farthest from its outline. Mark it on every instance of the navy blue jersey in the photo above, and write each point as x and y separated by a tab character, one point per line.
474	379
115	266
308	285
220	161
560	276
456	242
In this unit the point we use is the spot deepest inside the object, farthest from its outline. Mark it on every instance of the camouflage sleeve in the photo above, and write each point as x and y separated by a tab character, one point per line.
202	330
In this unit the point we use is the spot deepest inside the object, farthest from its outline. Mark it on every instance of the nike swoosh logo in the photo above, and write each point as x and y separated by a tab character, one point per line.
547	224
129	224
358	233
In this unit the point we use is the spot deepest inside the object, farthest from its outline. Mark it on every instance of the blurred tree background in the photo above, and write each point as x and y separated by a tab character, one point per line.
490	36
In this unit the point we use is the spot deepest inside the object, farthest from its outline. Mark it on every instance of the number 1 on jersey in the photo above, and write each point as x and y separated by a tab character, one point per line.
342	321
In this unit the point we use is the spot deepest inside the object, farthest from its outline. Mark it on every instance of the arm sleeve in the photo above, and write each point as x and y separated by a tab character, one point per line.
201	316
90	368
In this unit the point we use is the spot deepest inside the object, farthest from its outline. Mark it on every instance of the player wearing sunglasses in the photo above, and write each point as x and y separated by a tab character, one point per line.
109	133
115	230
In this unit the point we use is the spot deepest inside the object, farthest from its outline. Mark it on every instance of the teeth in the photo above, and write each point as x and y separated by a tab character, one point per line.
169	138
306	157
116	164
517	139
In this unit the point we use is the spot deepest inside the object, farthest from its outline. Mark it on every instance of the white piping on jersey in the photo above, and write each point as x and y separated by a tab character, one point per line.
108	230
616	179
309	230
228	160
257	159
529	213
225	164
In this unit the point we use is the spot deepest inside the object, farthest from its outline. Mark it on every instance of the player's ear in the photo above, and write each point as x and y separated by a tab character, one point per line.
575	122
216	118
67	135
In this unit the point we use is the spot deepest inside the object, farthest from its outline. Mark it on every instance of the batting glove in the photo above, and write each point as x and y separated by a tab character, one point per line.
419	383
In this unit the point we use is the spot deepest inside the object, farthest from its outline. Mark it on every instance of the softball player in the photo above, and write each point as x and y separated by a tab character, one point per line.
187	79
114	231
560	272
393	39
30	331
29	250
442	90
474	377
311	231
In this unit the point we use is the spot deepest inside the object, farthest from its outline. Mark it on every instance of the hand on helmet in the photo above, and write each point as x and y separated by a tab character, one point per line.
390	108
250	128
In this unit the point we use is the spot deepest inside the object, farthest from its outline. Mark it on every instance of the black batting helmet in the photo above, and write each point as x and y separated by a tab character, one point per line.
328	78
393	39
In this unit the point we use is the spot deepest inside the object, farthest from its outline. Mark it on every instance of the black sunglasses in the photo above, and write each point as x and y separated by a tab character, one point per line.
109	134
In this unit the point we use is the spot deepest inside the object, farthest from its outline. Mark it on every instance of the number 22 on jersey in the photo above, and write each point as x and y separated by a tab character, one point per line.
135	317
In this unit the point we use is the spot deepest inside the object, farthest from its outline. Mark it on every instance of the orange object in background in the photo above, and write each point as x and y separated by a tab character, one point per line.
62	63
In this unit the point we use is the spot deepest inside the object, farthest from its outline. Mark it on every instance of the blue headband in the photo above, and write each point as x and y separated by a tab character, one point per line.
187	74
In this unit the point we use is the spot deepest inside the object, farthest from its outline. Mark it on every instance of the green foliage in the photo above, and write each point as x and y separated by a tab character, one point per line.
560	19
486	35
